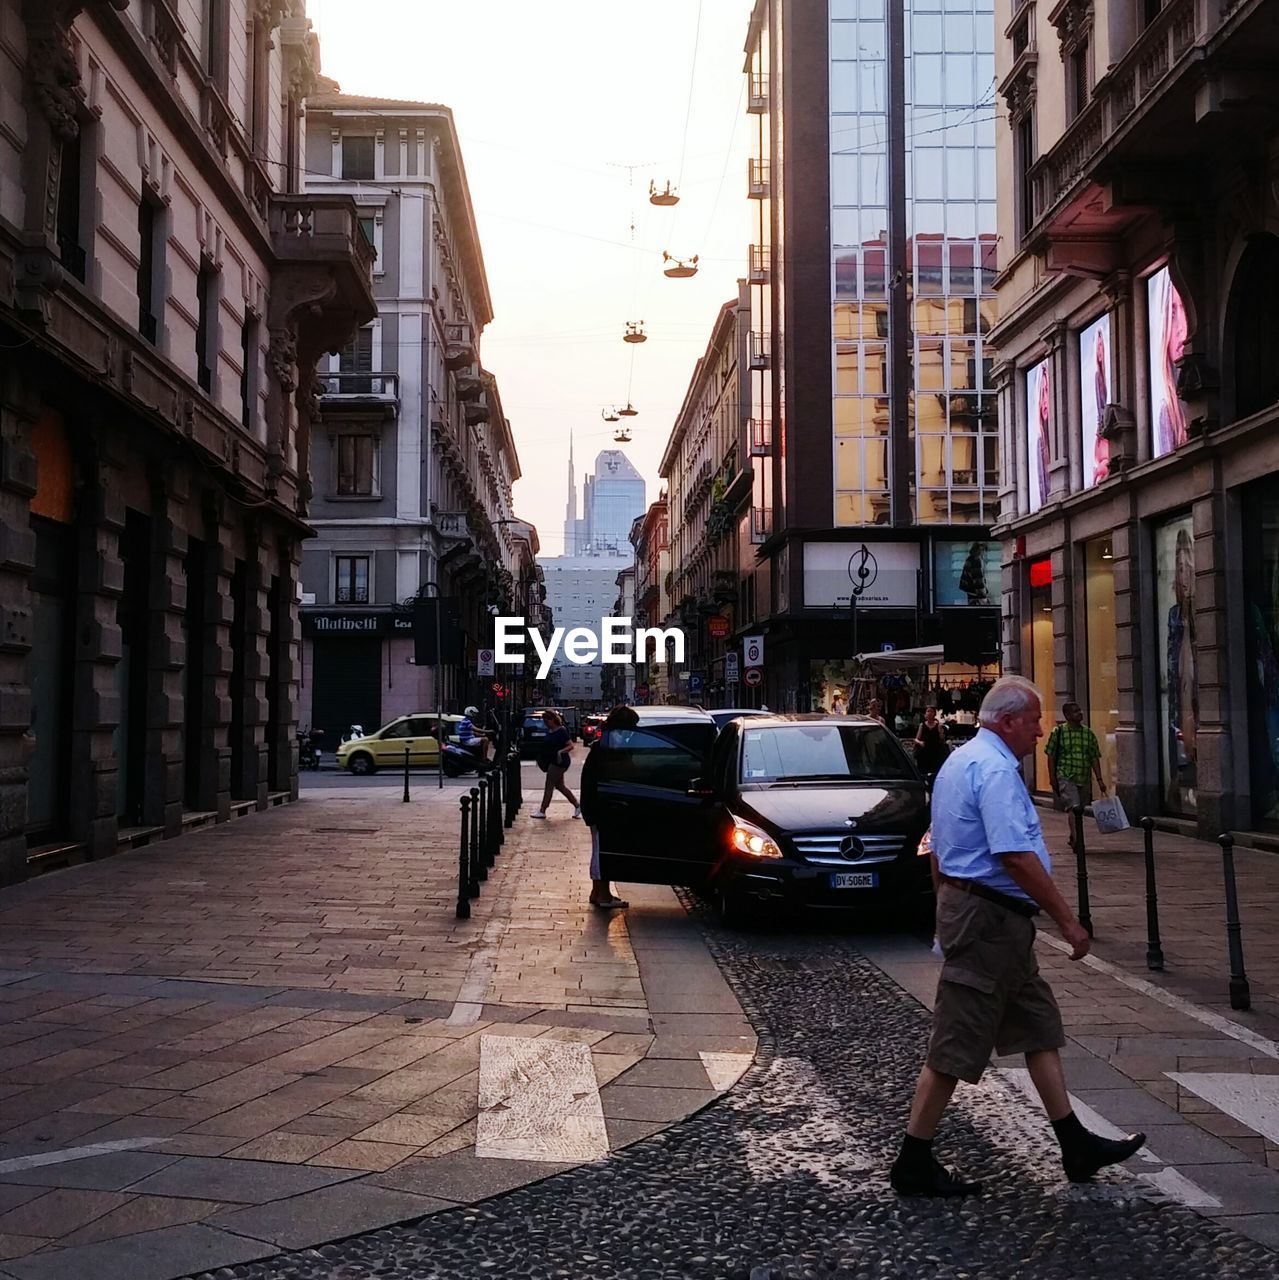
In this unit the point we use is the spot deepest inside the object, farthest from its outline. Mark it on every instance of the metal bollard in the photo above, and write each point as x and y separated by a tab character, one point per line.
406	775
510	765
1240	995
474	880
482	860
1081	869
1154	950
464	863
495	810
519	783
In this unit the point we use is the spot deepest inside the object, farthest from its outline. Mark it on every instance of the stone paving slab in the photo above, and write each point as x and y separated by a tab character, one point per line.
298	1014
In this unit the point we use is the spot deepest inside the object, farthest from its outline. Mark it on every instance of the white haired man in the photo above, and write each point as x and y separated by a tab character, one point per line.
993	876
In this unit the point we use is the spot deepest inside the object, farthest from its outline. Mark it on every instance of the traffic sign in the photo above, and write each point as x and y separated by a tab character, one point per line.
753	676
485	660
731	664
753	649
694	683
887	647
717	626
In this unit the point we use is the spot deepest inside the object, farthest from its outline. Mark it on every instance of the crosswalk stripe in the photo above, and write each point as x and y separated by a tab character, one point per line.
1252	1099
539	1100
724	1070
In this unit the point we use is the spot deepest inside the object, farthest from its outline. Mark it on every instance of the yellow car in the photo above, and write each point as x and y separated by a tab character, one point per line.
385	748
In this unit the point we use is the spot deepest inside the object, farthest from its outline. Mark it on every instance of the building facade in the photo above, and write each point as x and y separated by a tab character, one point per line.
166	292
871	275
415	461
707	469
1139	393
651	538
578	592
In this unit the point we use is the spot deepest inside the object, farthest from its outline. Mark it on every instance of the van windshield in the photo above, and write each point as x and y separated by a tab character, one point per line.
822	752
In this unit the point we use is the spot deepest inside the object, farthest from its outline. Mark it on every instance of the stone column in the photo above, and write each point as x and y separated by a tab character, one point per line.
98	649
215	753
1218	804
254	640
166	651
18	409
286	651
1136	765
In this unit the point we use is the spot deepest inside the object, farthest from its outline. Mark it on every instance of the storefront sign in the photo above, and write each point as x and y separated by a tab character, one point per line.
340	623
965	573
1094	396
717	626
887	574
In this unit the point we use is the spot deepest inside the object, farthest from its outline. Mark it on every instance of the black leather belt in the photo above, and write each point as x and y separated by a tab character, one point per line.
1019	905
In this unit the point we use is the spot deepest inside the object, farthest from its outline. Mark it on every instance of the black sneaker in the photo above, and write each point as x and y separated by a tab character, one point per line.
1099	1152
932	1179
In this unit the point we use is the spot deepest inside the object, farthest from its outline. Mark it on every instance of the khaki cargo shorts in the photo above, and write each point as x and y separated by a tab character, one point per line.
990	997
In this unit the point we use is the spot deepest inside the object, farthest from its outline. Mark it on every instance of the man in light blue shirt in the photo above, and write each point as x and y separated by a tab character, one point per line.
993	876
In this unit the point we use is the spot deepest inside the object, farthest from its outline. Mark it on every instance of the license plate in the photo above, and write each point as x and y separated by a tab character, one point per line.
853	880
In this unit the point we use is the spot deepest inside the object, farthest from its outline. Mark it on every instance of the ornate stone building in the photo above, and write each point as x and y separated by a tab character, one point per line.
165	295
1139	265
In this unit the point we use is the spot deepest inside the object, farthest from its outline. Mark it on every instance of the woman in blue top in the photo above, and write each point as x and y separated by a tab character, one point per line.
554	758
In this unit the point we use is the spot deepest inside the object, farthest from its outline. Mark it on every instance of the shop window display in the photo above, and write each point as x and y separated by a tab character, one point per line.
1178	662
1261	602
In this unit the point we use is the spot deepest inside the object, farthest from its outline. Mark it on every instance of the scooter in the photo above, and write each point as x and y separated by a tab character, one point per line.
355	731
458	760
309	748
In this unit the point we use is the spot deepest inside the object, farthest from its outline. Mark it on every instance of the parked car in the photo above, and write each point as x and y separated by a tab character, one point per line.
722	715
384	749
532	734
812	810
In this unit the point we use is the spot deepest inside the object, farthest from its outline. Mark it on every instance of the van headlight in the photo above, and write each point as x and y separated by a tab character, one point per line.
753	841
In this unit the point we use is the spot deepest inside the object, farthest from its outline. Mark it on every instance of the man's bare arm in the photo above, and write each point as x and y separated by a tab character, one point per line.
1029	875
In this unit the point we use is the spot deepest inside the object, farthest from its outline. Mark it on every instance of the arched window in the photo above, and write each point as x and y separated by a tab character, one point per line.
1254	326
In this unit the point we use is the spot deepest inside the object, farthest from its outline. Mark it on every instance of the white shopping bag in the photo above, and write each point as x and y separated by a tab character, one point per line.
1110	815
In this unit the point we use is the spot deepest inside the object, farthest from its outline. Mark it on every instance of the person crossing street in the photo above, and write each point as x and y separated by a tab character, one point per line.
993	876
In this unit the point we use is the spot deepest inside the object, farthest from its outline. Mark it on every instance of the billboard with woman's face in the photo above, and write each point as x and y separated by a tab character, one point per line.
1166	326
1094	396
1038	428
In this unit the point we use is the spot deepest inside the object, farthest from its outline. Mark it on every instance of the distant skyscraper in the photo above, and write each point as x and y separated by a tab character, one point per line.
611	499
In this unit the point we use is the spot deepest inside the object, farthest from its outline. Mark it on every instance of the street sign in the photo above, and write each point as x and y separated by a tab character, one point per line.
887	647
485	659
731	664
717	626
754	676
694	683
753	648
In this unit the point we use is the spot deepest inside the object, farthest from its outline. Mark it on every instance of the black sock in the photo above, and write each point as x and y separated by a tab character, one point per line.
916	1151
1070	1132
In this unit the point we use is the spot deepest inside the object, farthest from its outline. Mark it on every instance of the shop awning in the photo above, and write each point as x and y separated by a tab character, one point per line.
902	659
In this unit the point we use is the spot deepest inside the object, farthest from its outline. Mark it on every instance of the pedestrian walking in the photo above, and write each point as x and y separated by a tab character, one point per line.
619	720
930	743
1073	759
554	758
993	876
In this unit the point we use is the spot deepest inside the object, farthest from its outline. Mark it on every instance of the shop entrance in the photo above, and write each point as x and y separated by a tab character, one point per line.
346	683
131	671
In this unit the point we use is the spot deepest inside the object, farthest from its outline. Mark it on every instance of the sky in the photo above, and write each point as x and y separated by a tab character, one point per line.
566	111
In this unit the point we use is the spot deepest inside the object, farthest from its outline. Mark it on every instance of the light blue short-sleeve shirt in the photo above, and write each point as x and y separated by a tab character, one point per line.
981	809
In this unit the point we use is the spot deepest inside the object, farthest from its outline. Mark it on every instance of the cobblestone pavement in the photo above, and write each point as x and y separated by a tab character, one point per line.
784	1177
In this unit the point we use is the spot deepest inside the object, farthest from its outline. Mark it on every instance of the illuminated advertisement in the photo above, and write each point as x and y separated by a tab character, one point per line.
1167	329
1038	428
1094	396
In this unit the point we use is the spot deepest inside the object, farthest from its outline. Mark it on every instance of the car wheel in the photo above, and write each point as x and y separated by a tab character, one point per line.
735	910
361	764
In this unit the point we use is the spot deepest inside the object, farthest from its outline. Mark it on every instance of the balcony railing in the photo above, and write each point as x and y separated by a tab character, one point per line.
758	179
757	101
761	524
761	350
316	229
761	430
761	263
386	385
1117	100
